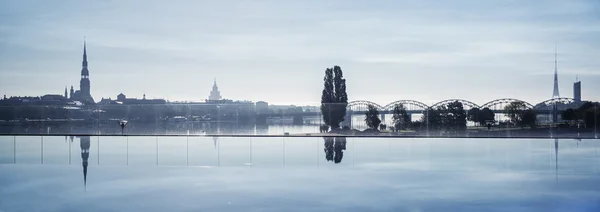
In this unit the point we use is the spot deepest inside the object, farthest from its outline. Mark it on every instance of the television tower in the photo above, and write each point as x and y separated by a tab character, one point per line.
555	93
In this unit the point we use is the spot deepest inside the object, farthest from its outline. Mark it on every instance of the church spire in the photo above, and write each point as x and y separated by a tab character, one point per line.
84	63
555	93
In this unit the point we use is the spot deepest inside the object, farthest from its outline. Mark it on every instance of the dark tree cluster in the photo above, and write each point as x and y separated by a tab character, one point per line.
372	117
520	115
334	98
482	116
450	117
588	113
400	118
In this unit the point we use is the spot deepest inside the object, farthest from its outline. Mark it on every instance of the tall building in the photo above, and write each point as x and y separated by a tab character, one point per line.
83	94
577	90
215	94
555	93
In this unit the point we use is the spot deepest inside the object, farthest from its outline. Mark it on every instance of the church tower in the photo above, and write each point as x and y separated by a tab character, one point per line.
84	83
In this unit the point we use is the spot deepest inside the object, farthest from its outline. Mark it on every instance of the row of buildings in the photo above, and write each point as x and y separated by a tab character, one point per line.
82	98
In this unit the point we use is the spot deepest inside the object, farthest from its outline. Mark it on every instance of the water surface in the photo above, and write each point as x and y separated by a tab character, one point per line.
297	174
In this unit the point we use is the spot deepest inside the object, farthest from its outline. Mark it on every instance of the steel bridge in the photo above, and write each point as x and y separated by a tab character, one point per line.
359	107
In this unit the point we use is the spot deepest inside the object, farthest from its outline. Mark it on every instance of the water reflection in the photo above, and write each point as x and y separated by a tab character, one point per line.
334	147
415	154
556	158
84	144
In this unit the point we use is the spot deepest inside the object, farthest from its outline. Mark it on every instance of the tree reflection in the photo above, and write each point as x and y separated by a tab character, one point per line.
334	147
340	144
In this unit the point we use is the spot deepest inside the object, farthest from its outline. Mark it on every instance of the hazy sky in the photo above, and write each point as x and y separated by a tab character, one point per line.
277	51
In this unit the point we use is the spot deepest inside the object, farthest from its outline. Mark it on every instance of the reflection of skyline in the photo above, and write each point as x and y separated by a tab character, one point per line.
334	147
84	144
556	157
215	140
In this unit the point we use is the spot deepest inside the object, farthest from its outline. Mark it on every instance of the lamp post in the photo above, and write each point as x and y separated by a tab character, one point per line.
122	123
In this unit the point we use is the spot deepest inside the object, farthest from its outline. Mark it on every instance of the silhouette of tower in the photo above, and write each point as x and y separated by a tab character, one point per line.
72	92
83	94
84	143
577	89
66	94
555	93
215	94
84	83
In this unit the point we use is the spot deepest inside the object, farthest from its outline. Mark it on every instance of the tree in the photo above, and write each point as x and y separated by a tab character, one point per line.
480	117
569	115
372	117
515	112
529	118
486	115
400	119
473	115
520	115
590	113
334	98
432	118
456	118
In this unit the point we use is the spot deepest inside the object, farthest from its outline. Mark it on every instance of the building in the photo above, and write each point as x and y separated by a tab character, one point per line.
577	90
49	99
262	107
83	95
123	100
215	94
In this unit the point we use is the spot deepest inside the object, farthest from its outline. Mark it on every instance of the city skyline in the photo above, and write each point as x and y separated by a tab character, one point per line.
385	56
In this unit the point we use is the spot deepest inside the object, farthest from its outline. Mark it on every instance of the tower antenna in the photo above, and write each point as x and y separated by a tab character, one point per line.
555	93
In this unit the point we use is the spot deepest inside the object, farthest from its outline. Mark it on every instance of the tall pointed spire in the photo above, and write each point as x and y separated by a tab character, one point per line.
555	93
84	62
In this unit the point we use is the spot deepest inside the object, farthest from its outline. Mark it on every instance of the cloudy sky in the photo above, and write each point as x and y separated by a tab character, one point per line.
278	51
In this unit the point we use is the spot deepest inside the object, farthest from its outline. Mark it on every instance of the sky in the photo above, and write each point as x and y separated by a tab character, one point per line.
277	51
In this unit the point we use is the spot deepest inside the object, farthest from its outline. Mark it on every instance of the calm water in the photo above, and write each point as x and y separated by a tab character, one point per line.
297	174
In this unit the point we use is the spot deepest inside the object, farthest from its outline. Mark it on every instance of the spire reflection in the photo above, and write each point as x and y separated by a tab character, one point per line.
84	144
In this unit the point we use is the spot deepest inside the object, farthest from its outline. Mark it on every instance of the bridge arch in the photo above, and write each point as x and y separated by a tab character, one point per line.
466	104
493	105
362	105
409	104
561	104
